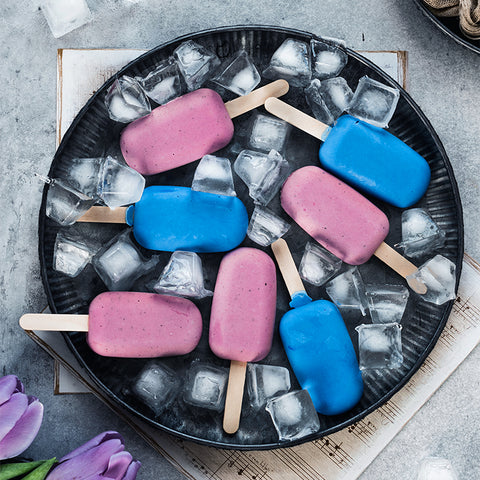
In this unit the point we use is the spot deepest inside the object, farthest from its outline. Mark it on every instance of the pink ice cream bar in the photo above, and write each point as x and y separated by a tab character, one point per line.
334	214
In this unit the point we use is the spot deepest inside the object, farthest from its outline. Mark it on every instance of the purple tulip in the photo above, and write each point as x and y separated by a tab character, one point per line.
102	457
20	417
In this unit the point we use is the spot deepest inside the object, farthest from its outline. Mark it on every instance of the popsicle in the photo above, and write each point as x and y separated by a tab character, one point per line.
317	344
242	319
367	157
342	220
187	128
130	324
179	218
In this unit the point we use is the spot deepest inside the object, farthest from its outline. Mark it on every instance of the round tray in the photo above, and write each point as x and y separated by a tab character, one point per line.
450	26
93	134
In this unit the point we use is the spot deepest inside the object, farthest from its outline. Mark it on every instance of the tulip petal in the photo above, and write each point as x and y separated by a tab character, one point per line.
88	464
24	431
11	412
132	470
9	385
95	441
118	465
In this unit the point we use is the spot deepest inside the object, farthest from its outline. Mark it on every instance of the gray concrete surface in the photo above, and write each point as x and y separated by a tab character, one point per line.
443	79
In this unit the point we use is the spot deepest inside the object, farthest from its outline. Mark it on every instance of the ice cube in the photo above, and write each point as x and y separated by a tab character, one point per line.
265	227
293	415
156	386
196	63
438	275
374	102
436	468
120	263
71	255
214	175
387	303
240	76
163	83
83	174
205	386
268	133
420	234
65	204
348	291
126	101
183	276
336	94
318	265
380	345
119	184
63	16
317	103
292	62
265	382
328	58
263	173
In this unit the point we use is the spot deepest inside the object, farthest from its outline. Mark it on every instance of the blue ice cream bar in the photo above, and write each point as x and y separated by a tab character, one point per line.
178	218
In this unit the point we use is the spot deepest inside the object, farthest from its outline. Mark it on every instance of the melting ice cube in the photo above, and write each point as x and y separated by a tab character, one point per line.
317	103
436	468
336	94
183	276
82	174
292	62
63	16
265	382
387	303
126	101
71	255
268	133
318	265
329	58
214	175
240	76
265	227
374	102
348	291
380	345
263	173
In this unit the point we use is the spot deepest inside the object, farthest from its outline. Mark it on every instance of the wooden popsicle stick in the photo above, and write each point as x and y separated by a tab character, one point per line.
287	267
54	322
104	215
234	398
401	265
297	118
256	98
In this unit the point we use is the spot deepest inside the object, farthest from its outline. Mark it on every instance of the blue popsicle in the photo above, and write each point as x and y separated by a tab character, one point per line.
367	157
318	345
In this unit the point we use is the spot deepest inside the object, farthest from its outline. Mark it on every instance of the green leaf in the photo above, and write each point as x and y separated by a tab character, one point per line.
12	470
41	472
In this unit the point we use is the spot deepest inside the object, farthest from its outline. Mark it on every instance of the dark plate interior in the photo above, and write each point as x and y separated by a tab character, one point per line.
93	134
450	26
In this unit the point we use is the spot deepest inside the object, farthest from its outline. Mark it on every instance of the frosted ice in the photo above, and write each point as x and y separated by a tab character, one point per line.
268	133
63	16
265	382
119	184
263	173
336	94
265	227
438	275
163	83
348	291
436	468
318	265
183	276
240	76
380	346
126	101
420	234
196	63
292	62
156	385
205	386
65	205
293	415
120	263
71	255
374	102
329	59
83	173
315	101
214	175
387	303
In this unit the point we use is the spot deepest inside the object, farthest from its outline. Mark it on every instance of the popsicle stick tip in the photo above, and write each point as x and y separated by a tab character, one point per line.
25	322
271	102
417	286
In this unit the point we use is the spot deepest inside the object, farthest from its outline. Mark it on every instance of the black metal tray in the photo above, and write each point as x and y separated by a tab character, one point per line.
93	134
